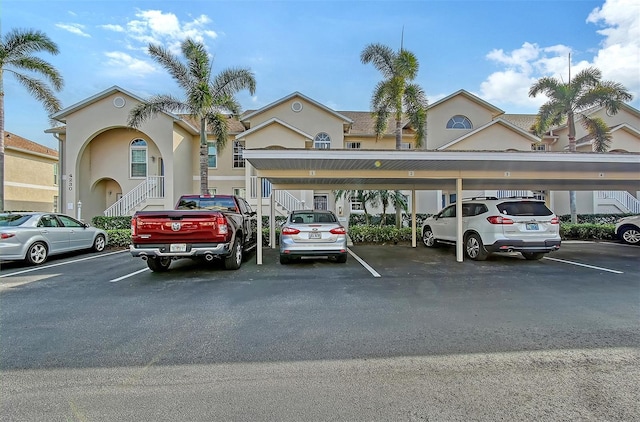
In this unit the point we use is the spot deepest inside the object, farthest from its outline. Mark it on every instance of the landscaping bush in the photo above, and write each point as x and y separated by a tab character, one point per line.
587	231
120	238
112	223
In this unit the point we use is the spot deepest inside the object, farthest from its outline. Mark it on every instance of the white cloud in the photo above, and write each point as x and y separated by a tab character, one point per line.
74	28
114	28
617	57
156	27
123	63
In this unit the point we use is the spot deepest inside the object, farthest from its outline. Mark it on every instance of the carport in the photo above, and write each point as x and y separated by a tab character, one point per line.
442	170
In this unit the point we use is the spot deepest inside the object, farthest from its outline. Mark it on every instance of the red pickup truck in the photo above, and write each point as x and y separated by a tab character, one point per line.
201	227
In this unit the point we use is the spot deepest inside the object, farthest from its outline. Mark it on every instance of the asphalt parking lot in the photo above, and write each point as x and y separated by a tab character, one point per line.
390	310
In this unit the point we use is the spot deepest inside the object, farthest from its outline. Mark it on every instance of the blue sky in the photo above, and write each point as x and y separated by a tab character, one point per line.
494	49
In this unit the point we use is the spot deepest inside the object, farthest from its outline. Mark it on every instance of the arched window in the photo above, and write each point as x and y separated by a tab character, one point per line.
322	141
459	122
138	156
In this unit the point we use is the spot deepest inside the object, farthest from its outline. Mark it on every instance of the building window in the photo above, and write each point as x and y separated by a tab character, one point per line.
459	122
212	153
322	141
357	206
537	146
352	145
138	158
238	159
55	174
211	191
241	192
405	145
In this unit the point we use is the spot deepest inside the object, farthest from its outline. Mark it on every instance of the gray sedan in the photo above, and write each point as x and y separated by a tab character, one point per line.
312	233
34	236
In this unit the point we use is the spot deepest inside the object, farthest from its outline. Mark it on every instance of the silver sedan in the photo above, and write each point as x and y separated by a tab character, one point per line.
34	236
312	233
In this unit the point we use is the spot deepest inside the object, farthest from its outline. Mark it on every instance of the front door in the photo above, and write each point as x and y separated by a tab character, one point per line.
321	202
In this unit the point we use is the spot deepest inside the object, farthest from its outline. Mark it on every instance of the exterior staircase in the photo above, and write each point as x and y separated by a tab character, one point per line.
152	187
621	200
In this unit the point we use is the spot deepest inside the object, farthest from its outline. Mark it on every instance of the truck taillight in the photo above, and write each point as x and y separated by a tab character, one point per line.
498	219
221	222
289	230
338	230
134	227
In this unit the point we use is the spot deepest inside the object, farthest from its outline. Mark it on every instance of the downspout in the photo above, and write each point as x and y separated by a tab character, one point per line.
60	171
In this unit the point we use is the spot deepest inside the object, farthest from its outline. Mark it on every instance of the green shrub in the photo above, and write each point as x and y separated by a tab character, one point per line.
587	231
112	223
377	234
119	238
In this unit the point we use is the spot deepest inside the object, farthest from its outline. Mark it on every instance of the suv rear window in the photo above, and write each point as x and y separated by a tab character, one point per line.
214	204
523	208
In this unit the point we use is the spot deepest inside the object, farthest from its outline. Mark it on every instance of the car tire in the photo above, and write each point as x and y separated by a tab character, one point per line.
428	239
159	265
533	256
233	261
37	253
99	243
342	258
474	248
284	260
630	235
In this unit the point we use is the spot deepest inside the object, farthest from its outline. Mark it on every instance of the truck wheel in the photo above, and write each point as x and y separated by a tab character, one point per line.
159	265
233	261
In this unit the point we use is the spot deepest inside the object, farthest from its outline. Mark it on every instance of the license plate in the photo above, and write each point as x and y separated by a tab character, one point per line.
532	226
315	236
178	247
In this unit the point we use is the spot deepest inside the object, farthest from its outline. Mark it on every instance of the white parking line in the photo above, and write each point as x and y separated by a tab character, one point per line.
584	265
115	280
44	267
364	264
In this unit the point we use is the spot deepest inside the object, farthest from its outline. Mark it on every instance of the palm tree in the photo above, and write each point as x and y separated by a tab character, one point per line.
396	95
208	99
16	58
586	90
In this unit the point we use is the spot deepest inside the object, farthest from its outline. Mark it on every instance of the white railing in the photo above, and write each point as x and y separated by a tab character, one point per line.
281	197
152	187
629	202
520	193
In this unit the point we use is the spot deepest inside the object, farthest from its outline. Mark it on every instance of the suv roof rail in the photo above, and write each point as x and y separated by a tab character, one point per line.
520	197
475	198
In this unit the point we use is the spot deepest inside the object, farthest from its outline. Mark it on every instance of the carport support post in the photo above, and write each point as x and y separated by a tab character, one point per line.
413	218
459	244
272	220
259	225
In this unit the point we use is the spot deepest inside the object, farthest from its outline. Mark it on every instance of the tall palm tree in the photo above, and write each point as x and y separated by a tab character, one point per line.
16	58
209	99
566	100
396	95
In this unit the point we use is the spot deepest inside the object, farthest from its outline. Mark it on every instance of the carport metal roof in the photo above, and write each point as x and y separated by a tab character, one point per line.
443	170
435	170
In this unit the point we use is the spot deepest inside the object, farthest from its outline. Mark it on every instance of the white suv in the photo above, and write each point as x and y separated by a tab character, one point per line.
490	224
628	229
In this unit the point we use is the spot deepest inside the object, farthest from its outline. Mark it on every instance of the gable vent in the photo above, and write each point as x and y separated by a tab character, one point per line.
296	106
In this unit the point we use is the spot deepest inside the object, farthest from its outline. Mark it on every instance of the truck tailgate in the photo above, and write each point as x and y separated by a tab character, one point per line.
179	227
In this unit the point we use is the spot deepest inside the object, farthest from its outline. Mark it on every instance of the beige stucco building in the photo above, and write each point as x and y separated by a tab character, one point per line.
107	167
31	175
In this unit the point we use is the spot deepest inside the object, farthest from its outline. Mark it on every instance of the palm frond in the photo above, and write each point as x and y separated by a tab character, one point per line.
547	86
198	60
40	66
19	42
156	104
415	102
407	65
217	124
382	57
41	92
600	132
232	80
173	65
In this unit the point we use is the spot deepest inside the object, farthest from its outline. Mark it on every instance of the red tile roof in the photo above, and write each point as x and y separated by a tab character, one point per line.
18	142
